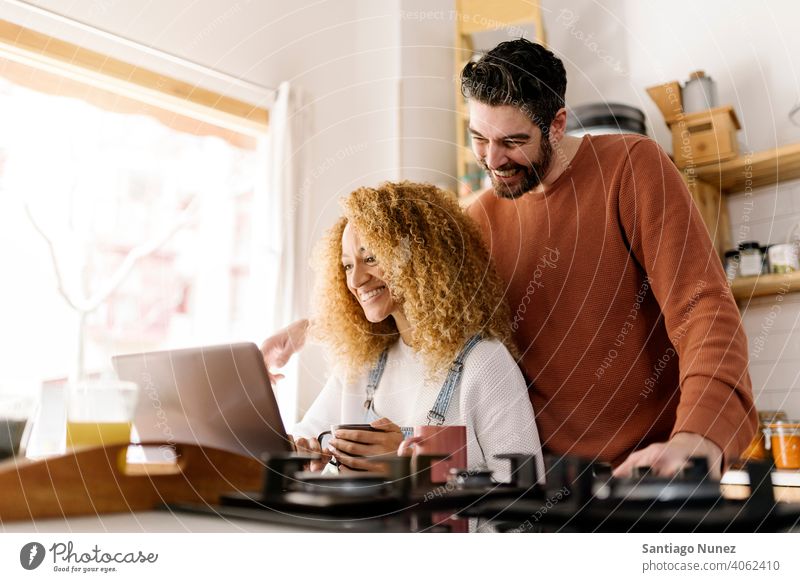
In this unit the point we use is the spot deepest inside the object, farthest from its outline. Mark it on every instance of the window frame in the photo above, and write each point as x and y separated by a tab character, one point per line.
104	72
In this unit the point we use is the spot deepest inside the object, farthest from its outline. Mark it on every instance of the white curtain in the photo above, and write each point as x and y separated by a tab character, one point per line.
281	226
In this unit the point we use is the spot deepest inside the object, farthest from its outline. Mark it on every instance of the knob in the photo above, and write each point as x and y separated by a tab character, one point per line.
696	469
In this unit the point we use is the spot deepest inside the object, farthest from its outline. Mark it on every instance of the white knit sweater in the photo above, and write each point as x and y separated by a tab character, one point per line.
491	401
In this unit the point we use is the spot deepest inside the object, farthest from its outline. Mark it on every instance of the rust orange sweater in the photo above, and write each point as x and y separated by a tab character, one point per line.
620	306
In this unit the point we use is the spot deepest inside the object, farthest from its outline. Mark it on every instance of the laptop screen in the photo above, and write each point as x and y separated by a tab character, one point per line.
218	396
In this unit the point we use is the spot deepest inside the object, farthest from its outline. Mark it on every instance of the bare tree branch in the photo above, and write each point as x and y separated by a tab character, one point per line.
89	304
85	305
138	253
51	247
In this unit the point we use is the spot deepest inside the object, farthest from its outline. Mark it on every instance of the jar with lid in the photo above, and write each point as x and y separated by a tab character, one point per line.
785	444
699	93
783	258
759	447
750	259
731	264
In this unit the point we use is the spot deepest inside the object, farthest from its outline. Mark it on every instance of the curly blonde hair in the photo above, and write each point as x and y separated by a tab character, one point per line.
435	265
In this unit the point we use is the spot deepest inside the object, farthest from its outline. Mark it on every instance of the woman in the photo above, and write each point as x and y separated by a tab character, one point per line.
405	289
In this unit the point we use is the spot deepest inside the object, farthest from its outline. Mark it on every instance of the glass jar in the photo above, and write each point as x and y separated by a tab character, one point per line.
785	444
731	264
765	260
751	261
783	258
759	447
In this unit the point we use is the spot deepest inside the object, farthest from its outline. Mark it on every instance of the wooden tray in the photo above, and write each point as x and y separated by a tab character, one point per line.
96	480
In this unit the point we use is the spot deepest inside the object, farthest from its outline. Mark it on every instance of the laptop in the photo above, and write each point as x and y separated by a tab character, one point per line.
218	396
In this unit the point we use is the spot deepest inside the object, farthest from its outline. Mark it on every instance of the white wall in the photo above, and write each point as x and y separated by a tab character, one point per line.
749	48
426	114
590	39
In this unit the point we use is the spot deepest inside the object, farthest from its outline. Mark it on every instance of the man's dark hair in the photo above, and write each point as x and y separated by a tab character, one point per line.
520	73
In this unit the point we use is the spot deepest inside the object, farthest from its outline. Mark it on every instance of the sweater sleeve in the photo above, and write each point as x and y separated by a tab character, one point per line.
670	241
495	402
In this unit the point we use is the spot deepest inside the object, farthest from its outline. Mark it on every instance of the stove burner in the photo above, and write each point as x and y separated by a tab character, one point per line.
348	485
470	479
690	486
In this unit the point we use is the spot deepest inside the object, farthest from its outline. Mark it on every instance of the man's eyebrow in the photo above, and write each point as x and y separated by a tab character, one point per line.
515	136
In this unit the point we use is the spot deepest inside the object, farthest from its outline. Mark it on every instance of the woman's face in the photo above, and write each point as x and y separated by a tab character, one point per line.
365	278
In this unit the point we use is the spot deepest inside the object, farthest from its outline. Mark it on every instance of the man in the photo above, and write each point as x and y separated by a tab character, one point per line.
630	340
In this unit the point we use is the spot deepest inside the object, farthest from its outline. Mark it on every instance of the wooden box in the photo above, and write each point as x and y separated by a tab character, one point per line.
705	137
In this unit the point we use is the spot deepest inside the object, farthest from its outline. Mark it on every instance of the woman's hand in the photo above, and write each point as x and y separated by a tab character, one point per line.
311	447
353	448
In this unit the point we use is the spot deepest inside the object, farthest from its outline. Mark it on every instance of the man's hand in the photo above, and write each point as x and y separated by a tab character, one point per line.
278	348
366	444
666	459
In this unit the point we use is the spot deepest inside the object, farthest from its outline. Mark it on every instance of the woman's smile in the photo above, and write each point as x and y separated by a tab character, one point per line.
367	296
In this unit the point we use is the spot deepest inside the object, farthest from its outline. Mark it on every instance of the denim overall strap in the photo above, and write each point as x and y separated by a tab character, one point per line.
437	413
375	375
375	378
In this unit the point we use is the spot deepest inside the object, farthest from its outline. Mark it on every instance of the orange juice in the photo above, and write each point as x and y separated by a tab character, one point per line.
97	433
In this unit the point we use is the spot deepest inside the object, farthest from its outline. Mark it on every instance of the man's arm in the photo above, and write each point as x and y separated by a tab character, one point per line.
670	241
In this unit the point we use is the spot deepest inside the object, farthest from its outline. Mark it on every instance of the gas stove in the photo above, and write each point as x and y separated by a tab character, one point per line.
579	496
591	500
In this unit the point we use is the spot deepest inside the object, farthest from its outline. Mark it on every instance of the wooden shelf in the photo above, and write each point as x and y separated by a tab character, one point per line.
744	288
765	168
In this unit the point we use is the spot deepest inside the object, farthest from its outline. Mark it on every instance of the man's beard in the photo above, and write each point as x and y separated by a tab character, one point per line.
531	175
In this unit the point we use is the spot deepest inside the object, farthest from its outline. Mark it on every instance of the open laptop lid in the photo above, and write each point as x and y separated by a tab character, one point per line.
217	396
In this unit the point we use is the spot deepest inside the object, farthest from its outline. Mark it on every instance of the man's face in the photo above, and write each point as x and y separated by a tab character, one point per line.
510	147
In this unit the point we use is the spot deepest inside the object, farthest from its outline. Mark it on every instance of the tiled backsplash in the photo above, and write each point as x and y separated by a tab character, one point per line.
772	323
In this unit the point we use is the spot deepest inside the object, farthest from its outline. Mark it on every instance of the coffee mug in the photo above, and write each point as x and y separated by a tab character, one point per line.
325	437
439	440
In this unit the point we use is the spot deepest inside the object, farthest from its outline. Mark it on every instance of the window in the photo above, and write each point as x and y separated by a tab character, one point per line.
101	168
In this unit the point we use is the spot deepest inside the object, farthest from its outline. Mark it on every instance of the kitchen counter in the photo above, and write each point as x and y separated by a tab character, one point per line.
146	522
